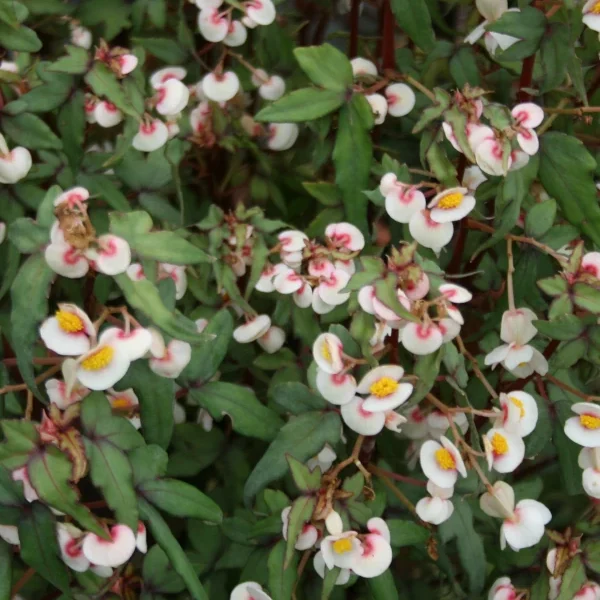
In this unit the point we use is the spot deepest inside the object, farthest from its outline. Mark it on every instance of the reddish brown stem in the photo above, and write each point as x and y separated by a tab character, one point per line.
354	13
526	78
396	476
388	59
21	583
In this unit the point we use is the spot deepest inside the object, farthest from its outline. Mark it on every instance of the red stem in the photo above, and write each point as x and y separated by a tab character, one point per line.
526	78
353	51
388	59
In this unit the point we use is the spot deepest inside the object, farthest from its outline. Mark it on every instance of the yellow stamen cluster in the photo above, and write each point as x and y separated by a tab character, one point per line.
445	459
326	352
595	10
122	403
450	201
342	546
590	421
99	359
499	444
69	321
384	387
518	404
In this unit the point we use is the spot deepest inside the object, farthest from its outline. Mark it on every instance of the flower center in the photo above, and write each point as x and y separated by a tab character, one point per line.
590	421
595	10
384	387
450	201
499	444
69	322
99	359
518	404
342	546
445	459
326	352
121	403
522	364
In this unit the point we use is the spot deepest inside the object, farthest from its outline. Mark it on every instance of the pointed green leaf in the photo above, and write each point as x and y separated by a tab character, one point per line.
302	510
326	66
306	104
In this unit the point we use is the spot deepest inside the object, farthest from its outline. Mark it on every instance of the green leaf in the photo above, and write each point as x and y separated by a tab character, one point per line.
427	369
567	450
431	113
30	131
148	463
554	56
302	510
305	479
6	569
39	547
540	218
413	16
573	579
76	62
27	235
248	416
326	66
281	577
48	96
565	328
21	441
105	438
325	193
103	186
587	297
567	174
156	395
352	156
553	286
181	499
383	587
105	84
296	398
528	25
302	437
463	67
50	472
591	555
29	296
407	533
329	582
166	540
471	551
386	292
144	296
301	105
71	126
21	39
158	574
165	49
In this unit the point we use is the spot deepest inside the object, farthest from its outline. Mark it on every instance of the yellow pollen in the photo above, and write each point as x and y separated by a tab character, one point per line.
342	546
121	403
590	421
99	359
595	10
518	404
69	322
450	201
445	459
326	352
384	387
523	364
499	444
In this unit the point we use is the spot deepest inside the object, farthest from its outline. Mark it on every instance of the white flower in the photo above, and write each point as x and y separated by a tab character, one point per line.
437	507
106	114
523	525
292	241
341	550
492	10
452	204
151	136
282	136
10	534
327	352
442	463
14	164
330	288
585	428
360	420
319	565
489	154
363	66
589	461
473	178
384	388
69	332
82	37
430	233
502	589
125	402
220	87
337	388
588	591
23	476
171	97
590	263
272	340
376	556
519	412
269	87
528	116
261	12
323	460
307	538
69	542
591	14
127	63
141	542
252	330
57	392
163	75
504	450
213	26
421	338
249	590
379	106
173	361
111	553
345	236
400	99
237	34
402	201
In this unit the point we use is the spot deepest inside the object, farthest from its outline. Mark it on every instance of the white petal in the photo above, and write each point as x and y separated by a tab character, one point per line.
455	293
434	510
136	343
127	63
361	421
338	388
497	355
163	75
282	136
378	526
66	260
421	338
110	554
107	114
518	355
403	202
10	534
140	539
252	330
476	33
237	34
103	375
172	97
362	66
319	305
151	136
379	107
319	565
489	155
303	297
491	9
501	503
272	340
330	288
273	89
212	25
400	98
326	351
528	114
429	233
511	457
345	235
112	256
70	549
334	523
176	358
376	557
261	11
221	88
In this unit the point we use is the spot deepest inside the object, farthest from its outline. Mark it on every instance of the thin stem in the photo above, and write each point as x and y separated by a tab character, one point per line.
548	122
572	111
476	369
481	474
411	507
388	58
509	275
420	87
396	476
526	78
571	390
22	581
29	406
354	19
248	66
51	360
21	387
353	458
